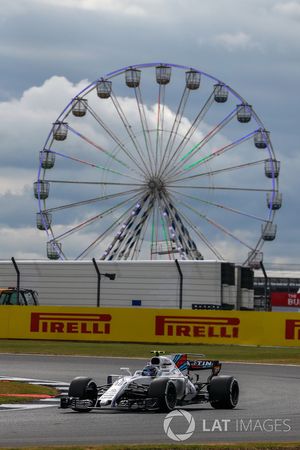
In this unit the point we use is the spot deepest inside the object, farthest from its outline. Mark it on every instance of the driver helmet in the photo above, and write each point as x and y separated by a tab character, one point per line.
149	371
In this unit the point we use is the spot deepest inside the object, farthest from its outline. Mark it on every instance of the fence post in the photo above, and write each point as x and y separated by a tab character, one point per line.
98	281
267	301
181	283
18	278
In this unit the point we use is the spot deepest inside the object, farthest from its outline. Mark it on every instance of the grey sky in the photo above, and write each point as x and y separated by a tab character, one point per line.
251	45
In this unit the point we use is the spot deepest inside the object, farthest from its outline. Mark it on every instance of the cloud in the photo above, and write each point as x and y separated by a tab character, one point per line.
22	243
130	8
25	122
127	7
236	41
288	9
15	180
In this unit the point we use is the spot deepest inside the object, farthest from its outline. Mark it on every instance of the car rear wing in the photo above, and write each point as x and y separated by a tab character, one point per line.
203	364
189	362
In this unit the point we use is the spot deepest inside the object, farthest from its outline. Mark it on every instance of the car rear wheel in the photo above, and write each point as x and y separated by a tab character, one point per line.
165	391
223	392
84	389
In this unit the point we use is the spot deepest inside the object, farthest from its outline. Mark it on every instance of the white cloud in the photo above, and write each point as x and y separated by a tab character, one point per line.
288	9
127	7
22	243
16	180
236	41
25	122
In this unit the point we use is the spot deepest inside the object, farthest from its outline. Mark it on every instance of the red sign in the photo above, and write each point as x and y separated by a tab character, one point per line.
292	329
285	299
70	323
213	327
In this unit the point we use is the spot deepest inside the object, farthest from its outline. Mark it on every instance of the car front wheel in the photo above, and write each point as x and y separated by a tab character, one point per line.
165	391
84	389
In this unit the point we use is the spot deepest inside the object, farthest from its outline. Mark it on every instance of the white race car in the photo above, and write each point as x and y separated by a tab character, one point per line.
163	384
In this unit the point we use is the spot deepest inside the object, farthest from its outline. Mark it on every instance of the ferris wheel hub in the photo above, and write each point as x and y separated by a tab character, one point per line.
155	184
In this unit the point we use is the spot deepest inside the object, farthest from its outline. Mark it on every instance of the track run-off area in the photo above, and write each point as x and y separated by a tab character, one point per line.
268	410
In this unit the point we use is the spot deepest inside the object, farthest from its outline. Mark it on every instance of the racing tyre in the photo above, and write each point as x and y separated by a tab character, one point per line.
84	389
165	391
223	392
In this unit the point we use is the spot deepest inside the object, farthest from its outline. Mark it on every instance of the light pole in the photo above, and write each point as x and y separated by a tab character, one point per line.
111	276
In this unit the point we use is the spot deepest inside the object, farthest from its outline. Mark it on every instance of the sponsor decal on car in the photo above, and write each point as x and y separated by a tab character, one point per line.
191	326
72	323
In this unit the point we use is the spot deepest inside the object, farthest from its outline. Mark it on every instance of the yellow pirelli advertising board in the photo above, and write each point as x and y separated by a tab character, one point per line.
150	325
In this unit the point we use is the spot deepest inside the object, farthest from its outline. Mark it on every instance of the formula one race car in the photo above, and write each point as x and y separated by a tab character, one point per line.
163	384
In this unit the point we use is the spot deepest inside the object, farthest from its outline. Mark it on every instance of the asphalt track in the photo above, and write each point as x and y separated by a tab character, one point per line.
269	407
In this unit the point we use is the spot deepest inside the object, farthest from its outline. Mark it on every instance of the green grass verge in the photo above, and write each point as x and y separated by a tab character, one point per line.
133	350
13	387
239	446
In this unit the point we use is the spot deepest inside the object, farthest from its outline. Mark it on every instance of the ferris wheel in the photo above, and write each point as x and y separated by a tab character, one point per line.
158	161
